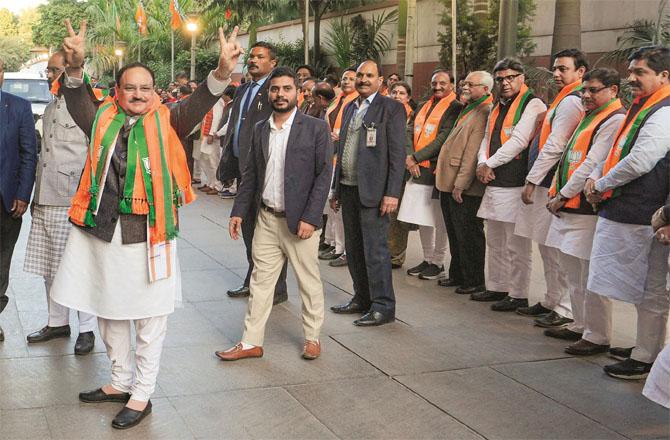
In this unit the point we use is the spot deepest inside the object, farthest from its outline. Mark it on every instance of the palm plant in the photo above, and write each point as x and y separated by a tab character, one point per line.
339	42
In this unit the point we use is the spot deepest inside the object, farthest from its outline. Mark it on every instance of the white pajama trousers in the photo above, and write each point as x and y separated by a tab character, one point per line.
557	297
509	259
434	243
139	377
209	163
60	315
335	230
592	312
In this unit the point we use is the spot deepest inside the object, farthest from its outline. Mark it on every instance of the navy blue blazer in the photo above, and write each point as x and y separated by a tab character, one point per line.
381	169
307	171
18	149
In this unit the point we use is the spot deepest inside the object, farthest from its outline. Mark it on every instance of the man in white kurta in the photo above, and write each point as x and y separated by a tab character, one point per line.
626	262
504	172
112	266
572	228
533	220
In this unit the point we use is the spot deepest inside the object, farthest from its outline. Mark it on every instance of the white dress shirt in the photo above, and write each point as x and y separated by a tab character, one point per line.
273	187
567	116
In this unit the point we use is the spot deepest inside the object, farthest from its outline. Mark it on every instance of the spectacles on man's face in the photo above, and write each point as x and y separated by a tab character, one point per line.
592	90
508	78
54	70
470	84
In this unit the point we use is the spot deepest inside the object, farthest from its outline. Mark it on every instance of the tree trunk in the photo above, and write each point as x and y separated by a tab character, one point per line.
401	44
507	28
318	8
567	26
252	33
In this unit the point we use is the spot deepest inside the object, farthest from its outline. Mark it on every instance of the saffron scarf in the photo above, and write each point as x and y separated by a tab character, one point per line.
578	148
484	100
623	141
157	179
511	119
426	125
551	112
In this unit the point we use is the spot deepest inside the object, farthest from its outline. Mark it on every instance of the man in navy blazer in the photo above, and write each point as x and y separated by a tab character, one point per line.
287	175
250	105
18	159
367	185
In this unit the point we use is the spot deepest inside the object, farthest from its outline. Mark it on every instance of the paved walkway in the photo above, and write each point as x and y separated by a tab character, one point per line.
448	368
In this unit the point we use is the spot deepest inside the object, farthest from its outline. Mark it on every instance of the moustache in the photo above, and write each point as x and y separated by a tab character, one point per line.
134	100
635	84
278	100
250	65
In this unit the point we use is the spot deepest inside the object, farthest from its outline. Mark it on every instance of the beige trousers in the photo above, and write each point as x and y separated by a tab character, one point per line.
272	244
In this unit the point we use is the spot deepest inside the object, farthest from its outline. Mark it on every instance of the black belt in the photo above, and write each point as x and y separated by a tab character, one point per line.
280	214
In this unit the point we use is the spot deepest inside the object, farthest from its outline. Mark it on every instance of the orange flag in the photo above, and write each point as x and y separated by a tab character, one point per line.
141	19
176	19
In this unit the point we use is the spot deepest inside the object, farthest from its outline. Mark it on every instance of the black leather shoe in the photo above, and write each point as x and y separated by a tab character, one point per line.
349	308
2	335
239	292
563	333
488	295
373	318
278	299
470	290
84	344
509	304
586	348
4	300
97	396
448	282
127	418
48	333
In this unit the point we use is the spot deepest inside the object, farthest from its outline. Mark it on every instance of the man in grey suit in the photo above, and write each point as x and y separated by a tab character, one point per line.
250	106
288	176
367	185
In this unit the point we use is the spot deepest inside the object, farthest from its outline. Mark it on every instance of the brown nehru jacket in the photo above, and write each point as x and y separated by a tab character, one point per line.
457	161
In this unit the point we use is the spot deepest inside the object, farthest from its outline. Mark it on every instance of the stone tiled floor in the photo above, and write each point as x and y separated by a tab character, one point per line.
448	368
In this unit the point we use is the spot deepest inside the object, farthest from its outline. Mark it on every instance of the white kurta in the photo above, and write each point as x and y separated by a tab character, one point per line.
418	206
500	204
533	221
619	260
111	280
657	387
572	234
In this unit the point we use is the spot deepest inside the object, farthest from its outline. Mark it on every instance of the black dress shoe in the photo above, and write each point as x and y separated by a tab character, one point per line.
470	290
127	418
349	308
84	344
239	292
448	282
373	318
488	295
48	333
4	300
278	299
509	304
396	265
97	396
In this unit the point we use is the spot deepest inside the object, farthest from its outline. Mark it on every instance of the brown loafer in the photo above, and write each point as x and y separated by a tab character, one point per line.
212	191
237	352
311	350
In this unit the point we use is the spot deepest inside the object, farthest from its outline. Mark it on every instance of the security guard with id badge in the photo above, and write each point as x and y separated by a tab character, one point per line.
420	204
367	186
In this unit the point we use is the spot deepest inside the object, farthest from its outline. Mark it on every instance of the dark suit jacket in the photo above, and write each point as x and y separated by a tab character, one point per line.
259	110
381	169
307	172
18	150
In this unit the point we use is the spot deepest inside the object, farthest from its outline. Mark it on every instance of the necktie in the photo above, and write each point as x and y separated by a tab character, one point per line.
248	99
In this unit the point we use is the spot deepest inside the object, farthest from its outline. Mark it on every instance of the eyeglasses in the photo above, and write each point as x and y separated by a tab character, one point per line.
592	90
54	70
508	78
469	84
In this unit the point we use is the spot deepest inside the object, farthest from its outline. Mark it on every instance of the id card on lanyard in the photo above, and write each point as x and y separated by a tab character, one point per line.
370	135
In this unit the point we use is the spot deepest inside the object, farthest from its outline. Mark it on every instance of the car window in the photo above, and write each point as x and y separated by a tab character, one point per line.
34	90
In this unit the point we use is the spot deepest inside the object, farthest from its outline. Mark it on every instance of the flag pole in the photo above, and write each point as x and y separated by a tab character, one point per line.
172	58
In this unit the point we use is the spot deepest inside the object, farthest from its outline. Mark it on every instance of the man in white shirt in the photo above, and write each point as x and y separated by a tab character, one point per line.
503	165
288	177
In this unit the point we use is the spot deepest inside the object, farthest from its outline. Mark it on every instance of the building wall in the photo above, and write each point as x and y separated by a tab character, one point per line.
602	22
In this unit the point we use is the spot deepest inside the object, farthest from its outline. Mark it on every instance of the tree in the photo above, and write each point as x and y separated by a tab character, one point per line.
49	31
477	36
27	19
14	52
567	26
401	42
8	23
